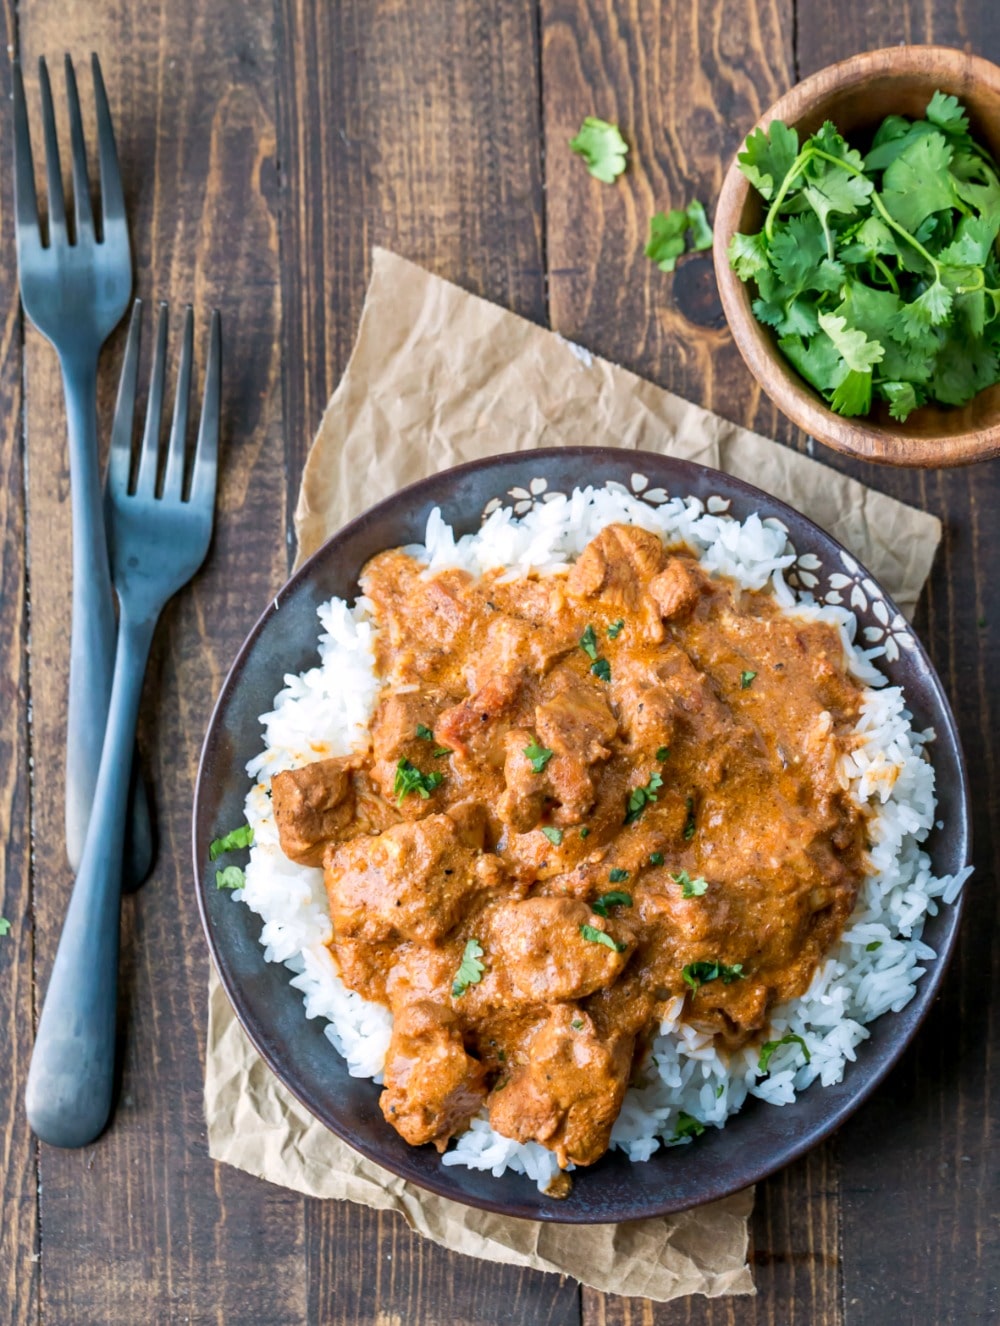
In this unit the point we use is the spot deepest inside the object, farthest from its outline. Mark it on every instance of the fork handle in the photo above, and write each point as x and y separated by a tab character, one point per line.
92	643
68	1097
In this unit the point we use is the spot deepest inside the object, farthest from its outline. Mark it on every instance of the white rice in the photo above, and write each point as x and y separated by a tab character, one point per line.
873	970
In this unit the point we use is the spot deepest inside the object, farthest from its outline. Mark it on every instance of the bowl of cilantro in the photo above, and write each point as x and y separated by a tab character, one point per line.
858	259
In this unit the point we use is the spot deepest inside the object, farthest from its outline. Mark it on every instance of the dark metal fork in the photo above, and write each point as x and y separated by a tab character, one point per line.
158	538
76	294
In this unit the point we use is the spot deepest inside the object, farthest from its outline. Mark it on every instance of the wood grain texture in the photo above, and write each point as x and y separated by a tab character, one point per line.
19	1224
681	80
141	1227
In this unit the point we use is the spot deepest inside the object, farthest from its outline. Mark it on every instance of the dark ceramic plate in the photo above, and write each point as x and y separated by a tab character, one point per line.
755	1142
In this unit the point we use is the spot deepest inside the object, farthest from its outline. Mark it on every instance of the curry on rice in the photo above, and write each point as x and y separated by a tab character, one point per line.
586	795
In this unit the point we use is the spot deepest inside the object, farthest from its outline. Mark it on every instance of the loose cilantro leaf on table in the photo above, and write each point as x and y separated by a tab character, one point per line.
470	969
4	926
231	842
602	148
595	936
410	779
669	232
880	275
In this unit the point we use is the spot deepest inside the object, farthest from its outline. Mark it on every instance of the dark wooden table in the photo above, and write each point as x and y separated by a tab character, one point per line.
266	146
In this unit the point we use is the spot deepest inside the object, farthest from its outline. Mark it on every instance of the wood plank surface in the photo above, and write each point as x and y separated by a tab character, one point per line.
141	1227
266	148
19	1224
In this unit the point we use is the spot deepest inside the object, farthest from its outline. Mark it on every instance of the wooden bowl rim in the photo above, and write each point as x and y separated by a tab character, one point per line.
853	437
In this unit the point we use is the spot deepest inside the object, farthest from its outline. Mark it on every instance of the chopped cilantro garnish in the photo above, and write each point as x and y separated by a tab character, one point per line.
595	936
538	756
687	1126
4	926
588	643
616	628
690	823
470	969
410	779
875	944
663	753
618	876
442	750
640	797
719	1090
585	832
424	733
746	680
616	898
602	148
769	1047
577	1024
690	888
231	877
656	858
700	973
602	669
554	836
231	842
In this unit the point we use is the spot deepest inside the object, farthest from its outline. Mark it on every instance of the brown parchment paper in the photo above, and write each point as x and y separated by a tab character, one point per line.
439	377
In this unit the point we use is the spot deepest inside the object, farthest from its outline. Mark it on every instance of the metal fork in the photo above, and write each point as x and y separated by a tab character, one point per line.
158	538
75	294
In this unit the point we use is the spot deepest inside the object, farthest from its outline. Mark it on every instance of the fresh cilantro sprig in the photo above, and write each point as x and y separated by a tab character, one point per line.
879	274
602	148
669	231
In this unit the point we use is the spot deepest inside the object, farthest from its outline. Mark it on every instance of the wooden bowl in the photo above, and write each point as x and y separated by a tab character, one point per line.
856	95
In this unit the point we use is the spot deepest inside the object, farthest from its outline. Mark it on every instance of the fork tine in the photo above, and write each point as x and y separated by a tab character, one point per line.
120	456
112	197
26	199
53	170
81	184
207	453
173	481
146	480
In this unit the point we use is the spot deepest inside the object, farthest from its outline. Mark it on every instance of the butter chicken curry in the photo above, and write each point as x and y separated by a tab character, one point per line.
586	794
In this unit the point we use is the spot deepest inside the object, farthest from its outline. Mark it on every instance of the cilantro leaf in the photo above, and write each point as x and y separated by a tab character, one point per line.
690	824
618	876
946	113
853	345
918	183
748	254
817	359
662	753
231	877
747	680
768	156
410	779
701	232
615	898
640	797
602	147
602	669
616	628
687	1126
588	643
700	973
470	969
231	842
690	888
595	936
667	231
538	755
555	836
656	858
769	1047
902	398
853	393
424	733
4	926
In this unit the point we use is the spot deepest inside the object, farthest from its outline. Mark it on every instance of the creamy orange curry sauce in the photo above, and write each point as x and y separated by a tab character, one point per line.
585	795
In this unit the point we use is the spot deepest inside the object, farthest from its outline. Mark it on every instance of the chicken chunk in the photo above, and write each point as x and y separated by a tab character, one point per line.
574	718
475	729
677	588
618	565
312	805
412	881
568	1093
432	1086
395	737
538	954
